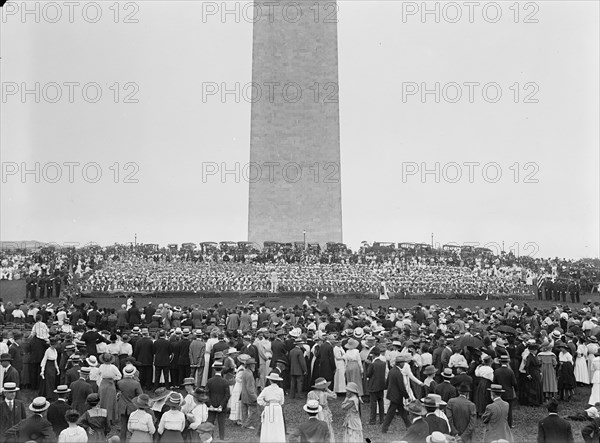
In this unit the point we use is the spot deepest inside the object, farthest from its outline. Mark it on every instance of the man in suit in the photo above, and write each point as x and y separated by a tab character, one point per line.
298	367
11	375
12	411
313	430
435	423
129	388
437	355
418	431
80	389
376	384
16	351
218	393
142	352
184	356
326	359
462	414
445	389
56	411
495	417
396	393
248	395
196	353
250	349
505	377
162	359
72	373
554	429
36	427
461	377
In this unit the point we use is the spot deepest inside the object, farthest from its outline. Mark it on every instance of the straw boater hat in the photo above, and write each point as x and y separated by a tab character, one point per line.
403	358
447	373
39	405
436	437
321	383
312	407
62	389
189	381
92	361
232	351
496	388
174	400
142	401
129	371
358	333
10	387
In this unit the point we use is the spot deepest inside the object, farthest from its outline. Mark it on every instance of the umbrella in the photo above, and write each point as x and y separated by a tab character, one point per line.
507	329
468	340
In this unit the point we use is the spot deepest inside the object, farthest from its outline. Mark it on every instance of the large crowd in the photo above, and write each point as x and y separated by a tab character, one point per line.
450	273
190	373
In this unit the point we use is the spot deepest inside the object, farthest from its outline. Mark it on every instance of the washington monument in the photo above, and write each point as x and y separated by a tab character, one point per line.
295	137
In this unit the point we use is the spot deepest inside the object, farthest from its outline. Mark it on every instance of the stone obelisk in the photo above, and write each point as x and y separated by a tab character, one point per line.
294	171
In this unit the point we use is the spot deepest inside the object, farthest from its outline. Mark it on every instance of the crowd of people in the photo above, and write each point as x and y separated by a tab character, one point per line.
189	373
401	274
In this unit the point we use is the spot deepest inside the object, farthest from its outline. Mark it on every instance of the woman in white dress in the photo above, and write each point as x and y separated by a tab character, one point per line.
354	367
582	374
271	399
207	350
592	348
234	404
595	396
339	379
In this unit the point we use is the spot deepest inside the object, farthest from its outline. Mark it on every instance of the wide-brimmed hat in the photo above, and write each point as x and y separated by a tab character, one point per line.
174	399
39	404
352	387
129	370
142	401
429	370
312	407
447	373
433	400
92	361
200	395
496	388
62	389
436	437
106	358
10	387
160	394
352	344
5	357
403	358
416	408
274	376
358	332
189	381
321	383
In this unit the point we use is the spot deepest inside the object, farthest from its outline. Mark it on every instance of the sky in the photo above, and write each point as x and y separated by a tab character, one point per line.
117	128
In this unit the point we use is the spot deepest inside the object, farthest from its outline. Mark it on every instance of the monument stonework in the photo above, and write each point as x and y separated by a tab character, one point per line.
294	171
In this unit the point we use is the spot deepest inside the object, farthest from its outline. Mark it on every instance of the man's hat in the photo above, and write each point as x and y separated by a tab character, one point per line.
62	389
218	364
85	370
5	357
10	387
189	381
39	404
416	408
496	388
447	373
312	407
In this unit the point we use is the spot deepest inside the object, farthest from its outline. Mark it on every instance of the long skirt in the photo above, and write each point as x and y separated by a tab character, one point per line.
582	374
171	437
108	399
272	424
339	379
48	383
353	375
532	390
352	436
326	416
206	369
140	437
566	376
235	404
595	396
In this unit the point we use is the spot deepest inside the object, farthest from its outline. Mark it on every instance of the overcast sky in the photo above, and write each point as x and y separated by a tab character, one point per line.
162	130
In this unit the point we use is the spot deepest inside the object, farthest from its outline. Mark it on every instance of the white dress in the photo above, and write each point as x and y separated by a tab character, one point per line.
581	368
339	379
595	397
234	401
273	426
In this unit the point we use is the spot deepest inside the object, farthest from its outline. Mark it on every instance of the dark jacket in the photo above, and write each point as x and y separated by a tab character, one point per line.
436	424
506	377
218	393
142	351
56	415
376	376
297	361
10	418
34	426
162	353
554	429
396	391
417	432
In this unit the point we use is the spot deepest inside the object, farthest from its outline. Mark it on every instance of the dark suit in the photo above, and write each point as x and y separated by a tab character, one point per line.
10	418
446	391
16	352
417	432
591	432
80	389
462	416
142	352
506	377
33	428
279	352
218	393
298	370
554	429
311	431
162	355
184	360
56	415
436	423
128	390
396	393
375	386
12	375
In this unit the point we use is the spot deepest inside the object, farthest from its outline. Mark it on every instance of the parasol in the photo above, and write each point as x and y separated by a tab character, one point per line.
507	329
469	341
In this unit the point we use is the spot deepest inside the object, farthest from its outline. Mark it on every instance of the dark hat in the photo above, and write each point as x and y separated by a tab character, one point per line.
5	357
464	388
106	358
142	401
92	399
416	408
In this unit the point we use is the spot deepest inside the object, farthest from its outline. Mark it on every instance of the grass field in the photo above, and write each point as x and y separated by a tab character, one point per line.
525	418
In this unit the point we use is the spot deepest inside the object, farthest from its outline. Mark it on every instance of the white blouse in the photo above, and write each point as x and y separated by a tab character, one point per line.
485	371
140	420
